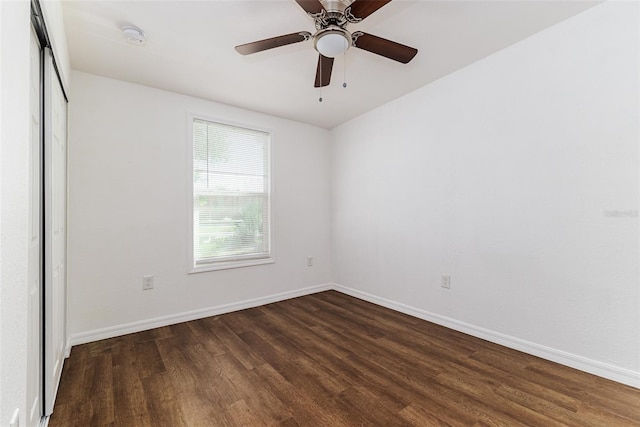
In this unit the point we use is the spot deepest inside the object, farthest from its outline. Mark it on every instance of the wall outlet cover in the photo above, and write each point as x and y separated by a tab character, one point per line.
446	281
147	282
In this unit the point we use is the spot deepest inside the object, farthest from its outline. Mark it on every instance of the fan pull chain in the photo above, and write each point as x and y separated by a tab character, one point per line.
320	69
344	68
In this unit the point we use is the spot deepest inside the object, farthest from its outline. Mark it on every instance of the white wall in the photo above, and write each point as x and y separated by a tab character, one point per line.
129	205
518	176
14	206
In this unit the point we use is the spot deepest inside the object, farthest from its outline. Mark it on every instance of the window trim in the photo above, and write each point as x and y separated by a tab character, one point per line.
243	260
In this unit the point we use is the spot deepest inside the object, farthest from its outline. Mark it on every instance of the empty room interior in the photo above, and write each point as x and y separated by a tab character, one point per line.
319	213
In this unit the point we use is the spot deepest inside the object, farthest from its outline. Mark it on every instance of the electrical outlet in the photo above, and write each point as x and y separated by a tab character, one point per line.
147	282
446	281
309	261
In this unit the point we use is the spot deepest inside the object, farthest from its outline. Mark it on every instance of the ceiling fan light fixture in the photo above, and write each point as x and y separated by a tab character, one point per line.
332	42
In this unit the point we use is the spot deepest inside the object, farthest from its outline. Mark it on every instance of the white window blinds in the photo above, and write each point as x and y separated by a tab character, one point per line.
231	194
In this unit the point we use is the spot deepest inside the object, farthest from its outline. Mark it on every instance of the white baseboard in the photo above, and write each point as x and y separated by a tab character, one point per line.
67	349
143	325
614	373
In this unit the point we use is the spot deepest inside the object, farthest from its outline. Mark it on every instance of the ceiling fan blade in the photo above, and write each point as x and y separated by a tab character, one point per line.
259	46
323	72
311	6
387	48
360	9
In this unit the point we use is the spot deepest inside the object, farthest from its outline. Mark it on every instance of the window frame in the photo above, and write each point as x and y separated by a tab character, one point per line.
240	262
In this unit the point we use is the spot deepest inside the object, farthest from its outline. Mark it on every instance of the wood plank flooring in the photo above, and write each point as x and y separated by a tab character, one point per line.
326	360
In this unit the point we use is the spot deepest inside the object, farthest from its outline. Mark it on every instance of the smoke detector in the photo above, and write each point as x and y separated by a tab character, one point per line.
134	35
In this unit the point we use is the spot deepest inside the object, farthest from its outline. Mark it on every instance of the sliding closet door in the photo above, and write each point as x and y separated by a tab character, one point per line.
55	214
34	353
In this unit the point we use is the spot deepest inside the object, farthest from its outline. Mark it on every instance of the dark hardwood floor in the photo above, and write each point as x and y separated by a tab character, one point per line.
326	360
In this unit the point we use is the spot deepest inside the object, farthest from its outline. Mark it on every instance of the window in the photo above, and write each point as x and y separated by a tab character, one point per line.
231	196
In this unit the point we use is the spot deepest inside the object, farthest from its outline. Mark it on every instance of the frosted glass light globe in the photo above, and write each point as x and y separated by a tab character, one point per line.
332	44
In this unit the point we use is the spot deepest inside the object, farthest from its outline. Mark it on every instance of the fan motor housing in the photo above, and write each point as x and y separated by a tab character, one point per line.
336	5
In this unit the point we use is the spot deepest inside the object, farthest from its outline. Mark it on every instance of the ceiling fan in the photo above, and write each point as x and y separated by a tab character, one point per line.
331	38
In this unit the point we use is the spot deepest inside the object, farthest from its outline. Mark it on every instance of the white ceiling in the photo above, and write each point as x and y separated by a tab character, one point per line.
190	49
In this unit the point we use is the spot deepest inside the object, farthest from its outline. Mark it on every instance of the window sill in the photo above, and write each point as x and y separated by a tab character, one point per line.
231	264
